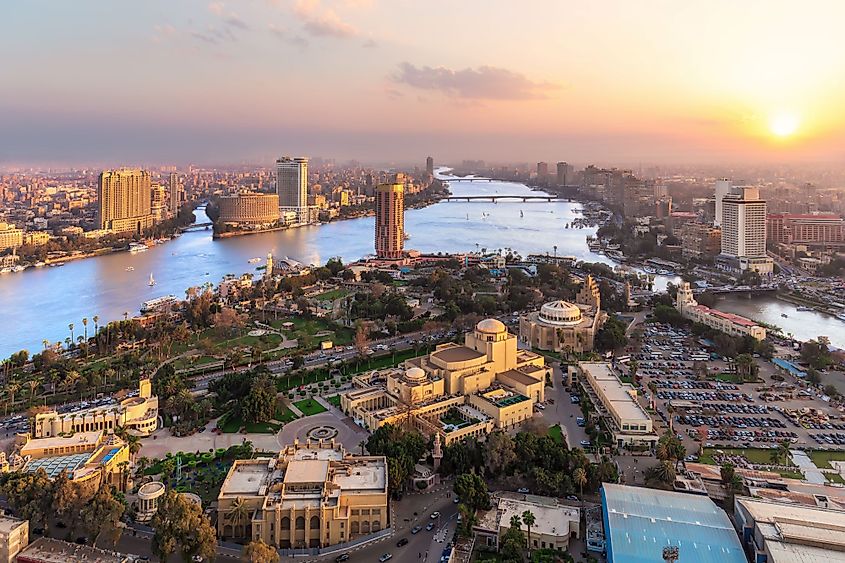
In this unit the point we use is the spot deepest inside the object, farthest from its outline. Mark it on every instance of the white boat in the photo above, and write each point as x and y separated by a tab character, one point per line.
158	303
40	264
804	309
6	271
137	247
254	260
130	269
841	316
19	268
152	281
406	236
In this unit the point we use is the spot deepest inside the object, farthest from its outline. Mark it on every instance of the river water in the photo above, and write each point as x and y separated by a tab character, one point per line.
40	303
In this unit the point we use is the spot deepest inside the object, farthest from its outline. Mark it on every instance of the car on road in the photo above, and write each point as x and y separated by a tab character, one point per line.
342	557
416	529
586	443
580	421
385	556
523	490
456	500
402	542
571	497
429	527
435	515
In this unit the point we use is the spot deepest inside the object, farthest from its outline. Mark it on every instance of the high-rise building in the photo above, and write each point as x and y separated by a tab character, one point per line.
429	166
723	187
564	173
292	185
744	230
175	194
390	218
542	171
157	201
123	201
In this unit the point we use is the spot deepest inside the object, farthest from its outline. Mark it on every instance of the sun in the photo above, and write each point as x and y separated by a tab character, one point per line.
783	125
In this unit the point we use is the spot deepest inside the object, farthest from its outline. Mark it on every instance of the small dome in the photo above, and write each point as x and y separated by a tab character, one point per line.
414	374
560	313
491	326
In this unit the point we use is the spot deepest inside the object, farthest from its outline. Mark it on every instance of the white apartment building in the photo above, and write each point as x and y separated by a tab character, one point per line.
743	225
292	185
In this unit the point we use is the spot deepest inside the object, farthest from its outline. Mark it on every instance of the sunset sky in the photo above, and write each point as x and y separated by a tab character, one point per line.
393	80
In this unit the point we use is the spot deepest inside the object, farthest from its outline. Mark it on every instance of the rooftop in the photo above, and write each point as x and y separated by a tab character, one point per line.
457	354
50	550
8	524
79	438
640	522
307	471
519	377
247	477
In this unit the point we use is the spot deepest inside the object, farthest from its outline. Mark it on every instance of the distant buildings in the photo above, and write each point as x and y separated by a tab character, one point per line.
640	522
564	326
555	523
429	166
617	402
542	171
456	391
729	323
744	231
123	201
175	194
390	219
157	202
309	495
723	187
249	209
10	236
292	186
700	240
564	172
809	228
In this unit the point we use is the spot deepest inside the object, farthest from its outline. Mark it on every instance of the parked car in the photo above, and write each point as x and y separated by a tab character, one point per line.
435	515
342	557
416	529
402	542
385	557
429	527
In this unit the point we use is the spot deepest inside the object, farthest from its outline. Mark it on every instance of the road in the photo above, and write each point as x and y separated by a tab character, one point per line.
563	411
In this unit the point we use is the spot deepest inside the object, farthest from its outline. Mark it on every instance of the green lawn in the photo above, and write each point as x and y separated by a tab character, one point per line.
309	407
823	459
334	400
754	455
231	424
728	378
556	433
835	478
331	295
284	414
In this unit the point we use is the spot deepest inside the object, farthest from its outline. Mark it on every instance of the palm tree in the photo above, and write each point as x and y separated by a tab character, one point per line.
780	455
70	328
12	388
238	514
46	343
555	247
33	387
96	319
529	519
579	476
362	444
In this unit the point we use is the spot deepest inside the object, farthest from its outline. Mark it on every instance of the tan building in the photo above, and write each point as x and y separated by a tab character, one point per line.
456	391
148	495
49	550
86	457
138	415
390	218
10	236
564	326
554	525
14	536
309	495
250	208
729	323
700	239
617	403
123	201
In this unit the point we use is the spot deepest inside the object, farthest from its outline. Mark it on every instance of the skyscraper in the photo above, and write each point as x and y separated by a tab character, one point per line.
723	186
542	171
123	201
390	218
157	201
175	195
744	230
563	172
429	166
292	185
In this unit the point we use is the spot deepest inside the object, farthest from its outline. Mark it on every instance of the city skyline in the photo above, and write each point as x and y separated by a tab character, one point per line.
244	81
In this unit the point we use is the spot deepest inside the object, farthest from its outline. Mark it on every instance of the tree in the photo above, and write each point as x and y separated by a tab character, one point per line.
813	377
65	496
529	520
746	367
101	515
579	477
472	490
830	390
180	524
499	453
513	541
780	454
259	405
611	336
237	515
663	473
28	495
259	552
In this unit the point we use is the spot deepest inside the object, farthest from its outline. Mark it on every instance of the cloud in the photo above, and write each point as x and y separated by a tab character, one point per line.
233	20
369	43
321	21
287	37
482	83
216	8
163	31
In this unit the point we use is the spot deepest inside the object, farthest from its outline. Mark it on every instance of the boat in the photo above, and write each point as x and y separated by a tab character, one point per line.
805	309
784	315
406	236
158	303
841	316
5	271
152	281
19	268
254	260
130	269
137	247
40	264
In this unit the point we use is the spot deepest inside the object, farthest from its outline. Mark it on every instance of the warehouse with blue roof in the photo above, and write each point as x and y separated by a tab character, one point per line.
640	522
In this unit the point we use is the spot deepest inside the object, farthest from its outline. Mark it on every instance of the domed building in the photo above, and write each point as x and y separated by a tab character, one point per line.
563	325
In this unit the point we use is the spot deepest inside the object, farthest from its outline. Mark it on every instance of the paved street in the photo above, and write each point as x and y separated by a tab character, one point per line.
563	411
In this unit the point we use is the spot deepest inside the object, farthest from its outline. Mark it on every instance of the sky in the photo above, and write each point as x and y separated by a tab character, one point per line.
229	81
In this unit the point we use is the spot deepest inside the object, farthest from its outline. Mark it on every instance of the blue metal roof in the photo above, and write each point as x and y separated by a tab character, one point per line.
639	522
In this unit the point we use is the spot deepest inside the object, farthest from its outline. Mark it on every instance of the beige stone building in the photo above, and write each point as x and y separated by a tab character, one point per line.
10	236
390	218
137	414
124	199
309	495
554	526
564	326
249	209
729	323
456	391
14	536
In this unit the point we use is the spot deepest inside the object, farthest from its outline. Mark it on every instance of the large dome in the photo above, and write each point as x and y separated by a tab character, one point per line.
414	374
560	313
491	326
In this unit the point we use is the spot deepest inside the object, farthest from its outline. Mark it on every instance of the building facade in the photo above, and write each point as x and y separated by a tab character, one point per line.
700	240
729	323
723	187
390	219
175	194
309	495
292	185
744	231
14	537
249	208
554	526
123	201
10	236
429	166
561	325
809	228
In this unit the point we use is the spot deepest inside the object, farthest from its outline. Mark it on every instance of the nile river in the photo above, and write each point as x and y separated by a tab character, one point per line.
39	303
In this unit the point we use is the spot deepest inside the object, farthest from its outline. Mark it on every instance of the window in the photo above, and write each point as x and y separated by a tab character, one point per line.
286	523
300	522
315	522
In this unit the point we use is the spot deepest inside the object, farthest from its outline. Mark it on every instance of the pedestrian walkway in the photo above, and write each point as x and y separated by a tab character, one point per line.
806	465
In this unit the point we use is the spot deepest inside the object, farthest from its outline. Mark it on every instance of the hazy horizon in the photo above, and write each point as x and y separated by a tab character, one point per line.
656	82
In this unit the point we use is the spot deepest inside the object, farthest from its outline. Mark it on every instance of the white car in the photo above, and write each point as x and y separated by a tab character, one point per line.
434	515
